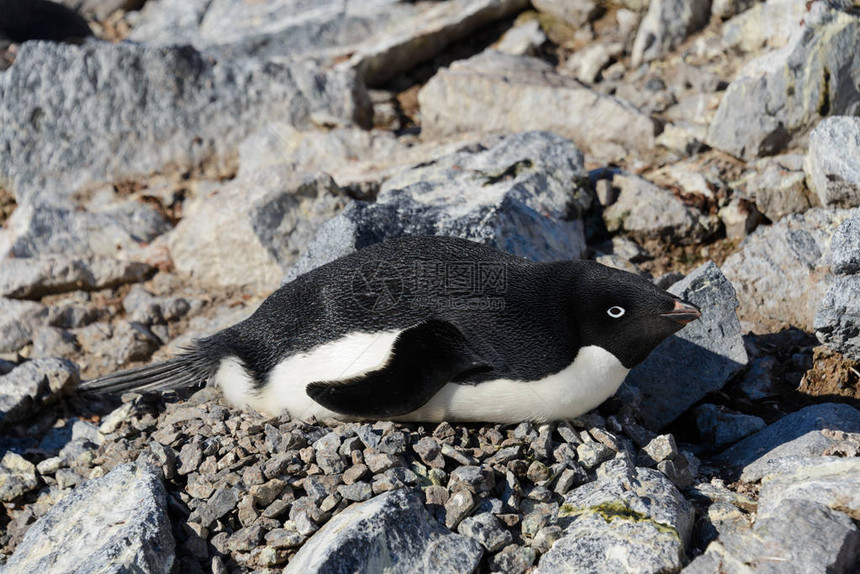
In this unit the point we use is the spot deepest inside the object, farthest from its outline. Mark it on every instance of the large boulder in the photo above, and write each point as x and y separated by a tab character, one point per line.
523	194
832	165
699	359
377	39
73	116
628	515
777	98
247	232
117	523
781	273
499	92
390	532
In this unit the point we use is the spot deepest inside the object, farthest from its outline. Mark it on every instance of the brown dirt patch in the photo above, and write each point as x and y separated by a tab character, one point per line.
667	257
831	374
7	205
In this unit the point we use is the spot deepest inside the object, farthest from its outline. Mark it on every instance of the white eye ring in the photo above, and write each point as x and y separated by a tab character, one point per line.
615	312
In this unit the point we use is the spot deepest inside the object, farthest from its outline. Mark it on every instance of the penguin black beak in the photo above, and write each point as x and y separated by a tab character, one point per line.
683	313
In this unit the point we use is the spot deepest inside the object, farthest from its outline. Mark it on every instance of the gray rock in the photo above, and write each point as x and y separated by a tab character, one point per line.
777	98
485	528
844	246
666	24
699	359
650	212
458	507
17	476
721	427
98	9
117	523
196	108
829	481
628	515
40	228
498	92
522	194
834	144
725	9
797	434
34	277
18	320
800	537
246	233
513	559
390	531
378	39
574	13
32	384
778	186
837	323
220	503
768	24
524	39
780	273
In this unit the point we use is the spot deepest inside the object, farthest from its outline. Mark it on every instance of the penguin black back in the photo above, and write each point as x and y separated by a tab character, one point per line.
22	20
432	328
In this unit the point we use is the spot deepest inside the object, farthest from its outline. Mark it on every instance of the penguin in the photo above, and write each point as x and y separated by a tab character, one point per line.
22	20
430	329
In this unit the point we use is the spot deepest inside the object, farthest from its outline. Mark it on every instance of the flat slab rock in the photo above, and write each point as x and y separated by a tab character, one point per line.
392	532
699	359
117	523
797	434
28	386
523	194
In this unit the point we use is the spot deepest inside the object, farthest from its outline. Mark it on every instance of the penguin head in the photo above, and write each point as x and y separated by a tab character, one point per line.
626	314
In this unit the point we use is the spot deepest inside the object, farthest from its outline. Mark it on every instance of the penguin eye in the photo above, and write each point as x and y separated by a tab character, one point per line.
615	311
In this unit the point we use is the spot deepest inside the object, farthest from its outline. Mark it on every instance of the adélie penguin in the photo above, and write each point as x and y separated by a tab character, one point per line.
430	329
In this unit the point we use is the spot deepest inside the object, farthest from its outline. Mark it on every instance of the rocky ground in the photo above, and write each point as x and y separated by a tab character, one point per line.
158	182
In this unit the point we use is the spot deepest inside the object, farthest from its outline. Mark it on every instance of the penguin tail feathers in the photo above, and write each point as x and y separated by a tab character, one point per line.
188	370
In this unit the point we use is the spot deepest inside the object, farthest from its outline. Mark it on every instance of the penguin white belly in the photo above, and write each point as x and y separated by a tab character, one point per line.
593	377
349	356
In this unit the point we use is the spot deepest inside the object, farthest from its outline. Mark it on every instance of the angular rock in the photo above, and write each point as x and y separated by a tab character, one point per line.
18	321
666	24
37	382
498	92
831	165
117	523
776	99
378	39
524	39
32	278
148	109
768	24
17	476
392	531
797	434
721	428
522	194
837	323
247	232
628	515
778	186
800	536
699	359
486	529
780	274
845	248
40	228
650	212
574	13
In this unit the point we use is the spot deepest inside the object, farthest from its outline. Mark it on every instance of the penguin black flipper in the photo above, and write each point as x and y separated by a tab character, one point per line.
423	359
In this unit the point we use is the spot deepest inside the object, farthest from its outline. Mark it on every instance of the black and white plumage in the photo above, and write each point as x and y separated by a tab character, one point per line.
431	329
